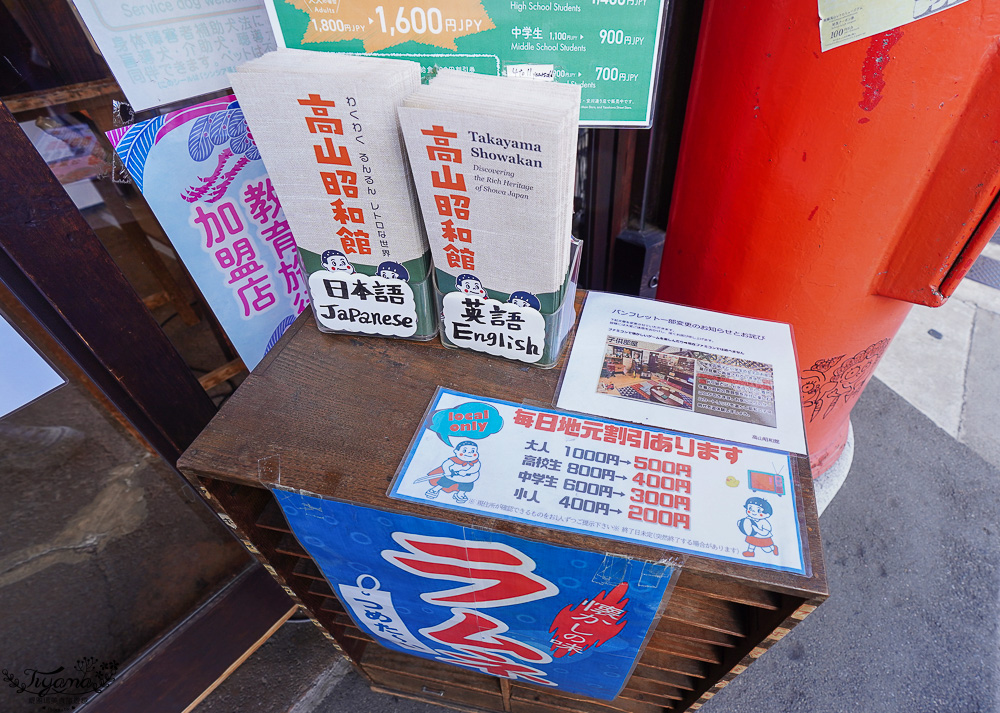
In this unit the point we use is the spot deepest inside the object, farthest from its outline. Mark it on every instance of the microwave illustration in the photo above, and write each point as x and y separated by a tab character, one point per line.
761	482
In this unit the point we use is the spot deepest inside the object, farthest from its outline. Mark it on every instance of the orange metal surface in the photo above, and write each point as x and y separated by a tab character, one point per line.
833	189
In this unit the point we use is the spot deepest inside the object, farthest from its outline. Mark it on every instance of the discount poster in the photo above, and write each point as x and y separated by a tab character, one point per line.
608	47
593	476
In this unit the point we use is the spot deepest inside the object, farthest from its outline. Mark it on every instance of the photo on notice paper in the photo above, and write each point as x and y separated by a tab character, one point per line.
675	377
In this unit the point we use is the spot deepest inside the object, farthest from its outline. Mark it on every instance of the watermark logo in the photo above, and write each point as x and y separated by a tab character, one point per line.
60	688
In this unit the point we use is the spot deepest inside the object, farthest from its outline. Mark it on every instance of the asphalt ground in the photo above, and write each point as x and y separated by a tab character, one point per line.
912	543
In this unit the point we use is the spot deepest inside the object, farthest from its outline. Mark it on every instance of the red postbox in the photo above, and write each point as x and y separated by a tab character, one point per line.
832	190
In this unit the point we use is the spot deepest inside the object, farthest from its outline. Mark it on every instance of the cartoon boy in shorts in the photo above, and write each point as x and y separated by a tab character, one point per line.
458	474
756	527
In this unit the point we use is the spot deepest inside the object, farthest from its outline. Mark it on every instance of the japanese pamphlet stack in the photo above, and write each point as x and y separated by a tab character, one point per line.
327	128
494	161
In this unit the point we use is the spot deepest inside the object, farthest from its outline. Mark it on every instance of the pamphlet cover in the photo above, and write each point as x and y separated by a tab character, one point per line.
489	191
327	128
688	369
496	195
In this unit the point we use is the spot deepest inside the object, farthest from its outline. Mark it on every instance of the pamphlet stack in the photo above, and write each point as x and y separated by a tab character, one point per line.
327	129
494	161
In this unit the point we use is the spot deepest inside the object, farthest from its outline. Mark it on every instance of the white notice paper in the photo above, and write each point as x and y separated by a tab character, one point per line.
166	51
687	369
24	375
844	21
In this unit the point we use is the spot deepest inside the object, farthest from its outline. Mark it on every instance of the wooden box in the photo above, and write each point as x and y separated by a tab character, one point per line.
333	415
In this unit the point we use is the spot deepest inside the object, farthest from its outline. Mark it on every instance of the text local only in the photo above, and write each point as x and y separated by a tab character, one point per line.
473	421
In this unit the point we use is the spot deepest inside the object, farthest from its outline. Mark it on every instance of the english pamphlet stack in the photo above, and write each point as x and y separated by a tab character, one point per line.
493	161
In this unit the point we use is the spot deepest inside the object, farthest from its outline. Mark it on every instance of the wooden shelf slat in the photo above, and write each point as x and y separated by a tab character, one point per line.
643	697
321	589
555	697
680	647
288	545
307	569
729	591
669	661
392	661
334	607
669	678
523	706
690	632
643	687
698	610
271	518
427	691
222	373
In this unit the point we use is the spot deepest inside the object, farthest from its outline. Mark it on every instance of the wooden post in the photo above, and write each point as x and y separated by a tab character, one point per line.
56	266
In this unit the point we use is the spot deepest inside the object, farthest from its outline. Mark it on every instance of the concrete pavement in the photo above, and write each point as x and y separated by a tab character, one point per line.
945	361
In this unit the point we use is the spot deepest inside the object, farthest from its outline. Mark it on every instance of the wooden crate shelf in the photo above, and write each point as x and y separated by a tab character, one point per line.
286	425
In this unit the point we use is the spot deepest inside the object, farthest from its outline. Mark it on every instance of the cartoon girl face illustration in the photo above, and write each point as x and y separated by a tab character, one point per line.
334	260
392	271
524	299
470	285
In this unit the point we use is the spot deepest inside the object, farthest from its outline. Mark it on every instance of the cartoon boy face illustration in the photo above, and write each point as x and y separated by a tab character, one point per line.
524	299
470	285
334	260
457	474
392	271
756	527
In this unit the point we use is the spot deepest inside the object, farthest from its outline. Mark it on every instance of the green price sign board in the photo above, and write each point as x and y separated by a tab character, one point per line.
608	47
